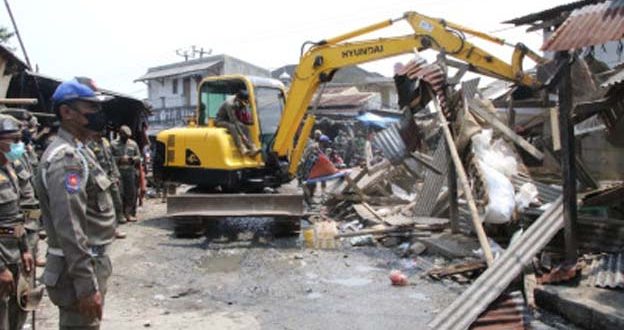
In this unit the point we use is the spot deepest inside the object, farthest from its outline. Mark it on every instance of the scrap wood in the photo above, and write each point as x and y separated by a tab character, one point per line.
366	212
374	200
386	231
18	101
477	107
465	267
561	273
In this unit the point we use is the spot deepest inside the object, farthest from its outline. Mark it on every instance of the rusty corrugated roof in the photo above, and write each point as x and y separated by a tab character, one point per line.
550	13
591	25
344	100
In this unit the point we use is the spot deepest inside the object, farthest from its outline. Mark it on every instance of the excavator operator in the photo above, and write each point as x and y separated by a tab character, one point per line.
234	117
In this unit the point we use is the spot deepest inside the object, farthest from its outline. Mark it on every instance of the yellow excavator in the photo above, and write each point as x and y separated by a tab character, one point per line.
205	155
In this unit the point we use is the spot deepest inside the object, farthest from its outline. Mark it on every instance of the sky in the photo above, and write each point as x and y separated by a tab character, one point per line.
116	41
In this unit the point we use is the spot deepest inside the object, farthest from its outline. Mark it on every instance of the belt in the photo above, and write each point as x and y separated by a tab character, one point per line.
94	251
32	214
14	232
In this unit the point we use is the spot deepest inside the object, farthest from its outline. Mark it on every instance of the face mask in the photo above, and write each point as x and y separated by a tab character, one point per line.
16	152
97	121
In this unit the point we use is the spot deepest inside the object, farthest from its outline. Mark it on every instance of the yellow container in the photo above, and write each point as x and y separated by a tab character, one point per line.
308	237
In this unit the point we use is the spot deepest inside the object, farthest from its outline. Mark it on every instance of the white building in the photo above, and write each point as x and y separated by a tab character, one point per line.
172	88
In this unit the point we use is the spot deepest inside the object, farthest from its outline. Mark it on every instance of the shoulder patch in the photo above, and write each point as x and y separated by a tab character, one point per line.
72	182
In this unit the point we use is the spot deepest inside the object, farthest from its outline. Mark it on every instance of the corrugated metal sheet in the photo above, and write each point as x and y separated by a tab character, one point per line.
391	144
178	70
550	13
608	271
344	100
508	312
587	26
495	280
615	79
433	184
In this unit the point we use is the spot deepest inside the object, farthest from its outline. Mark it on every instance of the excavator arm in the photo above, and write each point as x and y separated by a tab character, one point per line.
320	62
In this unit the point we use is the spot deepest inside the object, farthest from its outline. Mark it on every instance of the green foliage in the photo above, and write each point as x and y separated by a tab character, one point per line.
5	35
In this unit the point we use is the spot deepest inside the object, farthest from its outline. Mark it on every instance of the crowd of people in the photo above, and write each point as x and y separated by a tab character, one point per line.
74	192
344	151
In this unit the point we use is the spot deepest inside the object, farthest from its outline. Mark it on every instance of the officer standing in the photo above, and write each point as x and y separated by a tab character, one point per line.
102	150
77	210
128	158
15	257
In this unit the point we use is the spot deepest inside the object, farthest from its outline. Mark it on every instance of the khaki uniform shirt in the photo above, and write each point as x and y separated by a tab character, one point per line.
104	155
128	148
10	216
28	199
76	206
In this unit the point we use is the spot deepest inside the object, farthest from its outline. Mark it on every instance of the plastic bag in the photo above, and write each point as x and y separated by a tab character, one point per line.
501	202
526	195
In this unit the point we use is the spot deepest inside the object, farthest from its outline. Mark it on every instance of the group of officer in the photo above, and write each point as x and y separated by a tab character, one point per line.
80	189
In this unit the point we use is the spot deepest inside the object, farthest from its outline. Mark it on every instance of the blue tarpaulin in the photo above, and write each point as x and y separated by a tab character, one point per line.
372	119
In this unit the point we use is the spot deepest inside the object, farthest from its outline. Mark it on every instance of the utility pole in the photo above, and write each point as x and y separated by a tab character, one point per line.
17	34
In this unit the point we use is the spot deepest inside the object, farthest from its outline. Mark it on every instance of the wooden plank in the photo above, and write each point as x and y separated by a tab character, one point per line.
554	130
470	266
383	231
461	173
365	214
501	127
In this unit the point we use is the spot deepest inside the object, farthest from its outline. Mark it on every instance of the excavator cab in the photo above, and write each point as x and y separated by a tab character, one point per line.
206	155
266	104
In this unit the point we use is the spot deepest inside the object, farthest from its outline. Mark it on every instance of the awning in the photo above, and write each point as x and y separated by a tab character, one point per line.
372	119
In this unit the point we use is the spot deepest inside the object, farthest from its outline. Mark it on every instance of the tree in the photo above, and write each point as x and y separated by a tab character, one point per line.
5	35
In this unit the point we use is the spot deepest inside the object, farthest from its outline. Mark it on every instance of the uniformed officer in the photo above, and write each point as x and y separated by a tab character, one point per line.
102	150
128	158
77	210
25	168
15	257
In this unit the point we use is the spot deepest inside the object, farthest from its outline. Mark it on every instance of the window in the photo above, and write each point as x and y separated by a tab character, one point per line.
269	104
174	85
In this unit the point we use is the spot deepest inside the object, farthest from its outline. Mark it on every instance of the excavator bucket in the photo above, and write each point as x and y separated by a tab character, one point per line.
235	205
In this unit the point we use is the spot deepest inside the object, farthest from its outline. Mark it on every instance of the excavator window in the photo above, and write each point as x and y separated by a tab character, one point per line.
269	104
212	95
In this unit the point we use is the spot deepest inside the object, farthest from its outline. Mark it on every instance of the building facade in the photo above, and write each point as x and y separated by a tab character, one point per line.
172	88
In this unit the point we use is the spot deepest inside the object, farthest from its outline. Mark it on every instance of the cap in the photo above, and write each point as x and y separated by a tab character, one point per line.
126	130
8	124
324	138
318	132
73	90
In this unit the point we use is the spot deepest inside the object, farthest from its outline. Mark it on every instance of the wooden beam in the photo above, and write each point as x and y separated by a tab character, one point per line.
17	101
501	127
461	172
568	160
554	129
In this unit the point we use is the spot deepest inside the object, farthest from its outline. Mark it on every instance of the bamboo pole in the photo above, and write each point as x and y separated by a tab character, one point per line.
461	173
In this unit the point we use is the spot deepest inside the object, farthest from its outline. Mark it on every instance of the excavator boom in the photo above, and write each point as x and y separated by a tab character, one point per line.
320	62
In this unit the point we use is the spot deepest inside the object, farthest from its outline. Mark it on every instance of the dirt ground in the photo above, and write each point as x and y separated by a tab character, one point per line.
163	282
